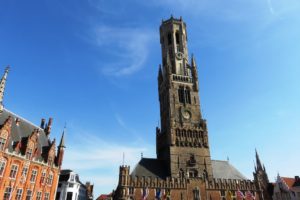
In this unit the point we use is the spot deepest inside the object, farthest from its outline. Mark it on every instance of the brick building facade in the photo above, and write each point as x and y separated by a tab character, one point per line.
183	169
29	162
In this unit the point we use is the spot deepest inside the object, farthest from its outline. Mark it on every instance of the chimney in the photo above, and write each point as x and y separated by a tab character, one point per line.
48	126
43	121
18	121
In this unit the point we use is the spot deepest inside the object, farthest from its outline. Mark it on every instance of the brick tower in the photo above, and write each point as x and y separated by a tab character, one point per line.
182	141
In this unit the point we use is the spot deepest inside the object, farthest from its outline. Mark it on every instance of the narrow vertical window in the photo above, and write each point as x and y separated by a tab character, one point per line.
177	38
13	171
24	172
2	143
19	194
28	194
33	176
50	178
187	96
7	193
2	166
28	153
169	38
181	95
39	195
196	193
43	177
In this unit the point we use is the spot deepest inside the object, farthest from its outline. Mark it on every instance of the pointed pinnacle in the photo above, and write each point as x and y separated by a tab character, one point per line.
193	61
62	140
2	86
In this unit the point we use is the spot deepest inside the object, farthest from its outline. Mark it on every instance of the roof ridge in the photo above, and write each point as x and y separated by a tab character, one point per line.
23	119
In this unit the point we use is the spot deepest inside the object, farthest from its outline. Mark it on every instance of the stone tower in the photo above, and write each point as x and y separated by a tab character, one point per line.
182	140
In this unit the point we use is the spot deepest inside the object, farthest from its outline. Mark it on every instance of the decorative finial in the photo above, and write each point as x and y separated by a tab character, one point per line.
123	159
2	87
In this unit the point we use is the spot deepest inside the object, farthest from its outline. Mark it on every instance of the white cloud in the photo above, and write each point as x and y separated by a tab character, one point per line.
129	46
98	160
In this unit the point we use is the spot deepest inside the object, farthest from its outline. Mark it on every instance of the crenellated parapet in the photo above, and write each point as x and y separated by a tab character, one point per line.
154	182
230	184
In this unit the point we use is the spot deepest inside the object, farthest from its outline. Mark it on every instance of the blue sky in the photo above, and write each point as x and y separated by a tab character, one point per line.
93	64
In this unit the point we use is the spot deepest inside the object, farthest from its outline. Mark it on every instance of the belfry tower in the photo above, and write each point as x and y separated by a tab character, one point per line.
182	140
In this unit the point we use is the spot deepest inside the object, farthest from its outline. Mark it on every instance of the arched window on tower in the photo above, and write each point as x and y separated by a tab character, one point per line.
181	94
196	194
177	38
187	96
184	95
169	38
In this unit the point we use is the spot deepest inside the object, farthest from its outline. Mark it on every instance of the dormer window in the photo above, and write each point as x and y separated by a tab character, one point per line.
50	160
29	153
2	143
3	139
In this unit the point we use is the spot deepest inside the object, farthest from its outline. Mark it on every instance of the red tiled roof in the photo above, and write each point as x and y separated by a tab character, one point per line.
288	181
103	196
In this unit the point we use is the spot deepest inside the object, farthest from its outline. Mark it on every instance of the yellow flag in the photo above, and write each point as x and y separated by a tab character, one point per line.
228	195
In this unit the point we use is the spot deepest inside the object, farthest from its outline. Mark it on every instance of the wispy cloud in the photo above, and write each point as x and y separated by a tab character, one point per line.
98	160
128	46
270	6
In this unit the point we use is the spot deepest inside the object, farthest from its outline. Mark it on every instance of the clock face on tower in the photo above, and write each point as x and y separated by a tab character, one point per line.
179	56
186	114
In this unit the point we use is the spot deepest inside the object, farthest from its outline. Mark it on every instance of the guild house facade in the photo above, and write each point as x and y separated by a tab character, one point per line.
183	169
29	162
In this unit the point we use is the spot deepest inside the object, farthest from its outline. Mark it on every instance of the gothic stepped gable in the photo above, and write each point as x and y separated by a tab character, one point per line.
21	130
29	162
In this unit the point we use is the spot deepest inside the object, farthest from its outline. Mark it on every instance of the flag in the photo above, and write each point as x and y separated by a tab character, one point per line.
249	195
158	194
228	195
166	194
240	195
145	193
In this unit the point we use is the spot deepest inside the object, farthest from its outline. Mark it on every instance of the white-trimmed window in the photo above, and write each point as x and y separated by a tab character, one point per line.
19	194
50	179
43	177
24	172
29	153
33	175
50	160
47	196
2	143
2	166
13	171
28	194
7	193
39	195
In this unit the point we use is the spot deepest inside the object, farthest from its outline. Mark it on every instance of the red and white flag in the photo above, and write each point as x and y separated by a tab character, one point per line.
240	195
